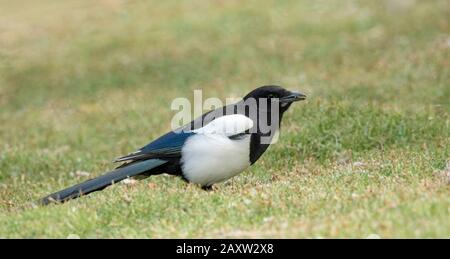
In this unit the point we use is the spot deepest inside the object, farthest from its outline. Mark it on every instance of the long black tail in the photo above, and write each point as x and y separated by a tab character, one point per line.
102	182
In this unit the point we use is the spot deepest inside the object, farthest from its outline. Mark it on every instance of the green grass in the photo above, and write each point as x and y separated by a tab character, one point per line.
368	153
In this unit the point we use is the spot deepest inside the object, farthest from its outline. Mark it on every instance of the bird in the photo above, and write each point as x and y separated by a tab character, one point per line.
212	148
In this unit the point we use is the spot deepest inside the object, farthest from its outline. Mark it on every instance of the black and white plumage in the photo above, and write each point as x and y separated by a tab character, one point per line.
213	148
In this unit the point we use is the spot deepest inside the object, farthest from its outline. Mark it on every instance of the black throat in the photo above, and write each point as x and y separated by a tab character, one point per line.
267	126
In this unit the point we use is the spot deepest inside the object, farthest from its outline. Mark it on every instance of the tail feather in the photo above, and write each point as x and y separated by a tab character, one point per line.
103	181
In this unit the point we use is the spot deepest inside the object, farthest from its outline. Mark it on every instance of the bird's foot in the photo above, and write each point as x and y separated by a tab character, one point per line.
207	188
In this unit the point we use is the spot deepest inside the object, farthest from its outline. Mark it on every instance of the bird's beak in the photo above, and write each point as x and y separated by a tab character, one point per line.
293	97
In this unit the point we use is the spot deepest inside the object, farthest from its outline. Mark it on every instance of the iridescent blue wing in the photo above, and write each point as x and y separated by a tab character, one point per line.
168	145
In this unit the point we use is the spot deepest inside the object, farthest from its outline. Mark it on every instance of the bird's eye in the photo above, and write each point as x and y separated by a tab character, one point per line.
270	96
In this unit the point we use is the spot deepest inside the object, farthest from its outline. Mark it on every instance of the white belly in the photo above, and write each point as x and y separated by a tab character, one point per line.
208	159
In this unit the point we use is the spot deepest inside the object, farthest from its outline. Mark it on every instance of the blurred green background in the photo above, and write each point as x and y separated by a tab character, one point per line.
82	82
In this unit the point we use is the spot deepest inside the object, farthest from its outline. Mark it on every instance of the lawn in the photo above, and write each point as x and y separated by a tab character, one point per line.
368	154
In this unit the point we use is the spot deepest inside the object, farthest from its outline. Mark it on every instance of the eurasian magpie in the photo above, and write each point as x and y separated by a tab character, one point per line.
212	148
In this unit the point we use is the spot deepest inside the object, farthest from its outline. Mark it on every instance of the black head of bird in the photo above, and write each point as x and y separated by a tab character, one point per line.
202	152
266	97
274	92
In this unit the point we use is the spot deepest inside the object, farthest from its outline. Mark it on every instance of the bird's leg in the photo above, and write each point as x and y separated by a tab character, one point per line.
207	188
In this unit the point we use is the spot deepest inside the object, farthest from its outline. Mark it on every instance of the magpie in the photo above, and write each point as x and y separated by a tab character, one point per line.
211	149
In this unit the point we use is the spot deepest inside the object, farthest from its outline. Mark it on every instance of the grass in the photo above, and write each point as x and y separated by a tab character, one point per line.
368	153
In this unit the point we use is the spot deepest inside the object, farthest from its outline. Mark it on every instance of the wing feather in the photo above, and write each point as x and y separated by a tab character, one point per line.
170	145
